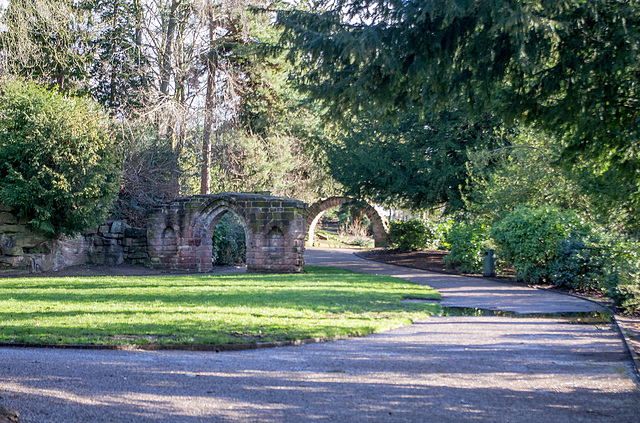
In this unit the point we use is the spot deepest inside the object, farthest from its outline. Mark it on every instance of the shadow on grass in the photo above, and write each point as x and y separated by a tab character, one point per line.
207	309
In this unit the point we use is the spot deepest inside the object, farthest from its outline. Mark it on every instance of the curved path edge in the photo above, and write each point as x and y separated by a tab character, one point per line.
633	354
448	369
461	291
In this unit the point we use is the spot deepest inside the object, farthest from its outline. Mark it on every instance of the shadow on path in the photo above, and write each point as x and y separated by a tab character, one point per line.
443	369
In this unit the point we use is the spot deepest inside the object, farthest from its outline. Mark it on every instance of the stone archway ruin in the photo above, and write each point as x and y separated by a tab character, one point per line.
179	233
379	224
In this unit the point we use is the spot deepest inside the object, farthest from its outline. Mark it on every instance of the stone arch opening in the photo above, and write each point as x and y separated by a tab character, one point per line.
273	228
229	240
204	226
379	224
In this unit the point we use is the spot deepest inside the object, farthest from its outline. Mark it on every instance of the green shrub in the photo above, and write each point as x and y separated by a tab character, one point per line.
417	234
624	281
437	234
466	244
58	165
408	236
627	296
229	241
580	263
530	239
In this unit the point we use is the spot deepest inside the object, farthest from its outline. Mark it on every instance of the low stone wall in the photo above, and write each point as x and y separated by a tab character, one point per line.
111	244
116	242
178	236
135	247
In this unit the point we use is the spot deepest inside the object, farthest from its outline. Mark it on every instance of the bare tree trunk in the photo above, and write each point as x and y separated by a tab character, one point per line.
167	54
205	172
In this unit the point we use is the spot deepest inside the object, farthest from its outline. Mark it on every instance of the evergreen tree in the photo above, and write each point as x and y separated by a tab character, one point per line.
568	67
58	164
118	73
407	162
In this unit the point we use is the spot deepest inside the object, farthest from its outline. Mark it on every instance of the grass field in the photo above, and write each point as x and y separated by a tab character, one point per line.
206	309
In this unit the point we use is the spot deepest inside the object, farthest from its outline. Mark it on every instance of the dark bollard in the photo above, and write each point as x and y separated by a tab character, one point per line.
488	264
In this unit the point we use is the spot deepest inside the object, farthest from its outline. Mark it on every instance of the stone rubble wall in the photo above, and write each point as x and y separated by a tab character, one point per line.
111	244
116	242
178	236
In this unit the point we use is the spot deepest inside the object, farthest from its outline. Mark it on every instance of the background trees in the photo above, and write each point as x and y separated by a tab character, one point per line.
411	103
47	41
567	68
193	108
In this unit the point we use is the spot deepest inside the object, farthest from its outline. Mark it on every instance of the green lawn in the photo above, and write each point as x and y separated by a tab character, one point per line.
206	309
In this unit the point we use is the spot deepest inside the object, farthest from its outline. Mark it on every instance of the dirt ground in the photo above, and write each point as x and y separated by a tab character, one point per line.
431	260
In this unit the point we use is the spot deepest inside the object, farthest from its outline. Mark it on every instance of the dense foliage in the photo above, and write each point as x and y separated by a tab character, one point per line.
516	116
529	239
466	242
58	167
417	234
408	236
229	241
569	68
408	162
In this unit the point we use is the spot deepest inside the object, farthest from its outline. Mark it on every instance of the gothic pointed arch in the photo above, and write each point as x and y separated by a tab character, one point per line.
274	231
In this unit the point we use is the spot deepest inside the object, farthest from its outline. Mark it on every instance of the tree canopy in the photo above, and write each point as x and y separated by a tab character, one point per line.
409	163
568	67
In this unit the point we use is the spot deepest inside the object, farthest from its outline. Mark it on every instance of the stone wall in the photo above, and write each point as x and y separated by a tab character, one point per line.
116	242
24	249
135	247
113	243
178	236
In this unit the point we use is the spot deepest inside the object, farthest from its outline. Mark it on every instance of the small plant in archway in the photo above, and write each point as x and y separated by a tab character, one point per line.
229	241
356	232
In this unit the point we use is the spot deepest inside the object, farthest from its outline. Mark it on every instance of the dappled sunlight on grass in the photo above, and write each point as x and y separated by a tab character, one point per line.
206	309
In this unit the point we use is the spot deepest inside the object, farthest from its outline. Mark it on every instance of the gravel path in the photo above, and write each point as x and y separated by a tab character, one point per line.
446	369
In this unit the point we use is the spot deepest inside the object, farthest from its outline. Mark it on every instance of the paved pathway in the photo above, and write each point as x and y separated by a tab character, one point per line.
447	369
460	291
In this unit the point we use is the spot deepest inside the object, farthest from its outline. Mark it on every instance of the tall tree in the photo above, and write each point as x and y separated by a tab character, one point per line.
118	73
48	41
568	67
223	70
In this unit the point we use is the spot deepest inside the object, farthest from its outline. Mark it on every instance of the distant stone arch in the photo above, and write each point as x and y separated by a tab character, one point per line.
180	233
379	223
